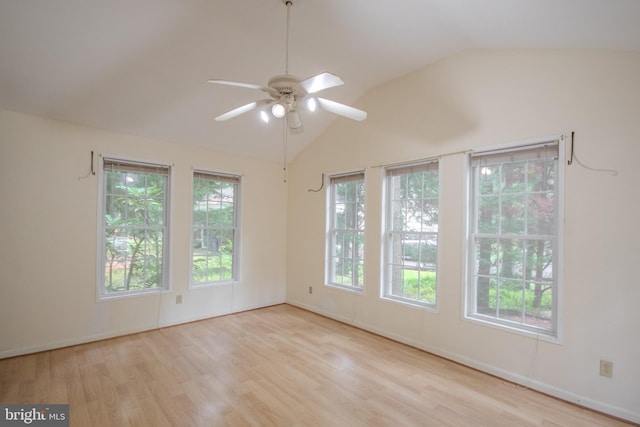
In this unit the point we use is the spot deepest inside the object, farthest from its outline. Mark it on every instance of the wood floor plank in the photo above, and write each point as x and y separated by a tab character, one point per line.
277	366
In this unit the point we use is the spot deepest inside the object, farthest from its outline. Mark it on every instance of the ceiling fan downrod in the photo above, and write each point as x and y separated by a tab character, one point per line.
287	3
287	92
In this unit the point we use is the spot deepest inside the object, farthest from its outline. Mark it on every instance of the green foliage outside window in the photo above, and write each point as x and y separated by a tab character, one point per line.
214	228
347	231
412	252
134	230
515	239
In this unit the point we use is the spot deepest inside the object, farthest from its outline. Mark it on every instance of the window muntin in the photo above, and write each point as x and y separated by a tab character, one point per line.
513	241
135	233
411	244
215	232
345	236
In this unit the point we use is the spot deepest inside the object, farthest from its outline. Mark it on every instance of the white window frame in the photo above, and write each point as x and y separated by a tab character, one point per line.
133	166
234	229
356	281
552	334
393	239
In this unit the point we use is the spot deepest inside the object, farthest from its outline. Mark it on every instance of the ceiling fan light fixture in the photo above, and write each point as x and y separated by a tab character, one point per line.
278	110
293	120
287	92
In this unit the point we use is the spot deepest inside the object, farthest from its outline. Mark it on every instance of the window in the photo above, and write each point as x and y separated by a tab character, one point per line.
215	233
135	234
411	238
345	236
513	237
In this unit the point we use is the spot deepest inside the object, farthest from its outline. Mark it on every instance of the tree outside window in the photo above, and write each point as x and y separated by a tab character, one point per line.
411	246
346	221
514	237
135	227
214	228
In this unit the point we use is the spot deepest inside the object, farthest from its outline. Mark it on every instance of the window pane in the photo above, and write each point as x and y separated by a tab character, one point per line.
513	214
486	256
540	260
345	262
540	214
513	177
539	297
429	215
510	300
514	194
541	175
488	296
428	287
116	252
134	207
429	251
399	208
341	213
214	265
214	227
489	180
412	246
199	267
360	205
488	215
511	259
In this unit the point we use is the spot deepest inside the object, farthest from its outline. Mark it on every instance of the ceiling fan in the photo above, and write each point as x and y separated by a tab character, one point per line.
289	94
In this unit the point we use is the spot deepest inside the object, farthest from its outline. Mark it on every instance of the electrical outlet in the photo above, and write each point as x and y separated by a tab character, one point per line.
179	299
606	368
310	289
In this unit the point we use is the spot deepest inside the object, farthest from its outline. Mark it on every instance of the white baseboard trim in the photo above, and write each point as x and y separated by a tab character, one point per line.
163	324
489	369
13	352
73	341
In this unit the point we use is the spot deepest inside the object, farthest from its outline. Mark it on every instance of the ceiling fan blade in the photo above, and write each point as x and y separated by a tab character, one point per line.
242	109
320	82
230	83
341	109
270	91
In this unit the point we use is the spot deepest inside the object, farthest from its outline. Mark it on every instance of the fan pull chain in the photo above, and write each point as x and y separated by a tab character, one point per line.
284	149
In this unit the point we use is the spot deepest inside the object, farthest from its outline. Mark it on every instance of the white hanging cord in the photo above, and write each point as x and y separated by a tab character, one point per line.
574	156
288	3
284	148
311	190
91	169
611	172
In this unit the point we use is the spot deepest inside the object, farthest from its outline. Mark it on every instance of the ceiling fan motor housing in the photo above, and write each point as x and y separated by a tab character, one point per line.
287	84
288	91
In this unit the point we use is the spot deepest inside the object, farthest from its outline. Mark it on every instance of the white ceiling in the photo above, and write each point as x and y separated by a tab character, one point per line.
140	66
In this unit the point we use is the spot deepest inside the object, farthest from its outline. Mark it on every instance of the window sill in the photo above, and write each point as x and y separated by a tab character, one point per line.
352	289
541	335
210	285
132	294
410	303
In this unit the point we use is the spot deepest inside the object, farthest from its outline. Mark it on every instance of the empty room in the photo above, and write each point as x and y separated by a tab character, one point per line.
319	212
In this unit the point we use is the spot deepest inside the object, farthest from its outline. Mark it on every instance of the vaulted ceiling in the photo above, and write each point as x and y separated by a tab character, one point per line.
140	66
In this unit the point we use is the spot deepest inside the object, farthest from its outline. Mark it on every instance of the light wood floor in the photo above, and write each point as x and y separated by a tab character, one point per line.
278	366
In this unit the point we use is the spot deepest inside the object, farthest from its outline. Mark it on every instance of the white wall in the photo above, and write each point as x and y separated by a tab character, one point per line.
479	99
48	236
48	215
